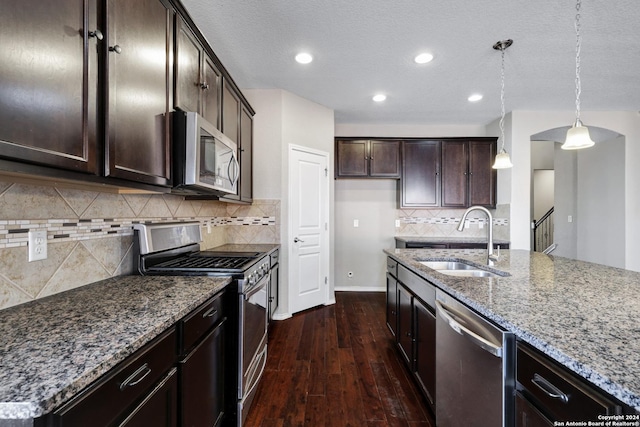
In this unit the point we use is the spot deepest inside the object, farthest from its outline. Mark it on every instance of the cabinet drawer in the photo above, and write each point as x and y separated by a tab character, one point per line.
419	286
560	394
196	324
127	384
392	267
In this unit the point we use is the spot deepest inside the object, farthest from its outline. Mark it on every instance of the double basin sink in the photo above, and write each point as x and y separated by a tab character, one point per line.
460	269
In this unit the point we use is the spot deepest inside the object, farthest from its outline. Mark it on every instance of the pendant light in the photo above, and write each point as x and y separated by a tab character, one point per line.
578	135
502	158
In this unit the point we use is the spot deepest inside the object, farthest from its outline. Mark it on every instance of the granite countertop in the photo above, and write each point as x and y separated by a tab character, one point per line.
585	316
54	347
428	239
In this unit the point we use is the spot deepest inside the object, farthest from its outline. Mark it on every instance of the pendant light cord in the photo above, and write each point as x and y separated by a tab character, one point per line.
502	48
578	48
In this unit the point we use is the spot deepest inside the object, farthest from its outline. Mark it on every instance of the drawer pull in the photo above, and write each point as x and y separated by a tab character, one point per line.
549	389
212	312
135	378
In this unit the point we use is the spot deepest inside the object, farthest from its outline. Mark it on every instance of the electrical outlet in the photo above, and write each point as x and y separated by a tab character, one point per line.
356	223
37	245
397	223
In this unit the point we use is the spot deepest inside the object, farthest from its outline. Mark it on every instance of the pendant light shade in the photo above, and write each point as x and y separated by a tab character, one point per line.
578	135
502	161
502	158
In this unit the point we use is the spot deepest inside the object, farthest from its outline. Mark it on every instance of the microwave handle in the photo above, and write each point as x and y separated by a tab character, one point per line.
234	180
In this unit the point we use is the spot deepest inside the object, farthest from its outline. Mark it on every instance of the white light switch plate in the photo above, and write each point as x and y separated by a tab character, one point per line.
37	245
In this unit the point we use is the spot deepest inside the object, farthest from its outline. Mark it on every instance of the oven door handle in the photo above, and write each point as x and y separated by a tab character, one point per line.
257	287
253	384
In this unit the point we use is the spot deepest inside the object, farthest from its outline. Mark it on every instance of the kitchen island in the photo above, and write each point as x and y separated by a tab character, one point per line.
54	347
580	314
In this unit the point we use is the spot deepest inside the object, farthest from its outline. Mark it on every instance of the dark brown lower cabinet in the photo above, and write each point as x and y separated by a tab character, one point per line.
141	384
425	339
405	325
527	415
549	393
392	304
202	375
416	327
159	408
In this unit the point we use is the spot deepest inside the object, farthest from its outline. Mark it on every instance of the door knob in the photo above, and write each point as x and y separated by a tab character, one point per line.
97	34
296	240
117	49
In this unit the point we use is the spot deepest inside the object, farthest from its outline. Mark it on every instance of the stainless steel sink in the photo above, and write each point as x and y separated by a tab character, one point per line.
459	269
448	265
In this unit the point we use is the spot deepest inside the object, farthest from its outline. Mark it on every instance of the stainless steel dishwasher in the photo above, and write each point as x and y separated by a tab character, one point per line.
474	368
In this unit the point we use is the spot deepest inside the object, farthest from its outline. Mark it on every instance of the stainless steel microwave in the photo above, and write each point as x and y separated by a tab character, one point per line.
205	161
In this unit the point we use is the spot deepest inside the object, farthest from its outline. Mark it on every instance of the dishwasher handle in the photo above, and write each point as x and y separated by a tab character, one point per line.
476	339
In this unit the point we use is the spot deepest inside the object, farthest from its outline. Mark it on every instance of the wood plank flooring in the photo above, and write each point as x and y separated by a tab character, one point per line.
337	366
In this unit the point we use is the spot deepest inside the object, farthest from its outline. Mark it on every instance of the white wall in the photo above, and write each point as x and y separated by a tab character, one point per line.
522	124
359	250
543	199
281	119
601	202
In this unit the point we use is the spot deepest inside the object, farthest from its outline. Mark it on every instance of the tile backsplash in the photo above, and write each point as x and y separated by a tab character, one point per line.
90	237
443	223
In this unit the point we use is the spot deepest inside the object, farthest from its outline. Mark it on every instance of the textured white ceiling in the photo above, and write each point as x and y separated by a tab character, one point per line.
362	47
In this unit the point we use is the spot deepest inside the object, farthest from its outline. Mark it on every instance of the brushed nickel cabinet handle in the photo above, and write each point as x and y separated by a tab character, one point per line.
135	378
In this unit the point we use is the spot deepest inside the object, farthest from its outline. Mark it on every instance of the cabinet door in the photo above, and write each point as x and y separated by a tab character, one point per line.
187	66
405	325
425	336
420	174
392	304
230	112
140	82
454	173
529	416
246	156
210	92
159	408
203	380
384	159
482	176
49	82
352	157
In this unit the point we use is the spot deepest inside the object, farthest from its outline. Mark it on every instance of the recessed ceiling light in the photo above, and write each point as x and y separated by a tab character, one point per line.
304	58
379	97
423	58
475	97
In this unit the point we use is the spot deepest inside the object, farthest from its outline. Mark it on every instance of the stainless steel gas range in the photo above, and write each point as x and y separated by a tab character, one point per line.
174	249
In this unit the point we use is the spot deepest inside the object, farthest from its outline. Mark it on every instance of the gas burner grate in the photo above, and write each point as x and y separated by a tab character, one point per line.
205	262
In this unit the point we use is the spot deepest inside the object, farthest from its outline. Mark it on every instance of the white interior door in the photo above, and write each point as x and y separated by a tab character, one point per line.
308	221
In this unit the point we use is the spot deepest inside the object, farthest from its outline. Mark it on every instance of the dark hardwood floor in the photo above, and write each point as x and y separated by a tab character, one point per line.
337	366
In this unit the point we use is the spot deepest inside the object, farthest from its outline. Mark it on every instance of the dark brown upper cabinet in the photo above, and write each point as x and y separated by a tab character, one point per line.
197	78
140	42
360	158
420	182
237	124
49	75
468	178
246	155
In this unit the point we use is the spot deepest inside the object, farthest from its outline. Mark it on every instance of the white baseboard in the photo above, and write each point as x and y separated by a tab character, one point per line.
360	289
281	316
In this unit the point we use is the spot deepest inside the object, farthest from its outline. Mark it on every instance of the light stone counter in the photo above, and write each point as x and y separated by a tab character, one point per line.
585	316
54	347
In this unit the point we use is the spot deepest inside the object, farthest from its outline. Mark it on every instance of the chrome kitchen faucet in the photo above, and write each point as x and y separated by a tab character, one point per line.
491	258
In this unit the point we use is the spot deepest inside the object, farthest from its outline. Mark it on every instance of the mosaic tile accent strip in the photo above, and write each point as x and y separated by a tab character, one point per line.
451	220
14	233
